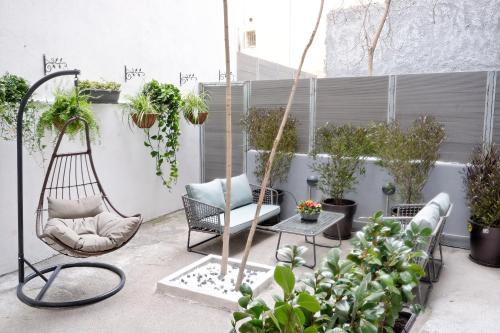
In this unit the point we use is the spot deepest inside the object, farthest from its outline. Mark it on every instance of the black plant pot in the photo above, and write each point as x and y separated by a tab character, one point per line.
346	207
99	96
277	199
484	244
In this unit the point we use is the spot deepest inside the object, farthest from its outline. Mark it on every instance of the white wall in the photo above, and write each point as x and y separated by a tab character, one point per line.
99	38
424	36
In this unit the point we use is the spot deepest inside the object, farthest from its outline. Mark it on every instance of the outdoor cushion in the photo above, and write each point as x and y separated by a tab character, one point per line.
241	218
210	193
94	234
75	209
427	217
241	193
443	201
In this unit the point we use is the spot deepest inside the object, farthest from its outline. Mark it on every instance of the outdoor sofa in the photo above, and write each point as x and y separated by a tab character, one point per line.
204	206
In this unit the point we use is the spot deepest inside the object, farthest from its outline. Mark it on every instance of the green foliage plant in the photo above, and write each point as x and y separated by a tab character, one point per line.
194	104
66	105
98	85
482	183
164	100
363	293
410	155
139	105
12	90
261	126
346	147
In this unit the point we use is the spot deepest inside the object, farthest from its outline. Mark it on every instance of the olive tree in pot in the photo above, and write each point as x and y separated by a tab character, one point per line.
261	126
346	148
408	156
482	182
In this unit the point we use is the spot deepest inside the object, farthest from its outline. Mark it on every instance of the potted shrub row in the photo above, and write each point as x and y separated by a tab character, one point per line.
369	291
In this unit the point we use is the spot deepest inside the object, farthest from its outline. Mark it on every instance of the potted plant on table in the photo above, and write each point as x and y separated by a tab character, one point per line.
67	104
106	92
261	126
408	156
309	210
346	148
195	108
482	182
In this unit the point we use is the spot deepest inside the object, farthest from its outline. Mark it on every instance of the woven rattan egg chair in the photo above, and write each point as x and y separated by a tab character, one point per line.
69	177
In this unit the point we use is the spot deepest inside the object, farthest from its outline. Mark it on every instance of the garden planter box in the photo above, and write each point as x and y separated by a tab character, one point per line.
200	282
99	96
405	322
484	244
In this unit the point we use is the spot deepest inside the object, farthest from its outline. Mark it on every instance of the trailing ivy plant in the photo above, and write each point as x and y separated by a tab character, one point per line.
261	125
163	141
346	147
363	293
66	105
410	155
12	90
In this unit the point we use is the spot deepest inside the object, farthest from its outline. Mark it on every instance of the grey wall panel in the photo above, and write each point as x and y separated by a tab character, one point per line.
496	116
253	68
275	93
358	101
215	136
456	100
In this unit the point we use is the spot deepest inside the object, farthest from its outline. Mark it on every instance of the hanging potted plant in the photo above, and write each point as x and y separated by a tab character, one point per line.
106	92
67	104
195	108
408	156
346	148
261	126
482	183
141	110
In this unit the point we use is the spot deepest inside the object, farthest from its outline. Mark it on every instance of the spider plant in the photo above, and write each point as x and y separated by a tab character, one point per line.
141	110
195	107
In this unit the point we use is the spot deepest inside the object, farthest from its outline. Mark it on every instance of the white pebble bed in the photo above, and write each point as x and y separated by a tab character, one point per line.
207	277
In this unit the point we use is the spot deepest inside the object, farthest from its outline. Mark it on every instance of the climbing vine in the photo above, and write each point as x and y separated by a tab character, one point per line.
163	141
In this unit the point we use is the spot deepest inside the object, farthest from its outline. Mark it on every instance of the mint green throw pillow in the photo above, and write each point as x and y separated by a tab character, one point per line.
210	193
241	193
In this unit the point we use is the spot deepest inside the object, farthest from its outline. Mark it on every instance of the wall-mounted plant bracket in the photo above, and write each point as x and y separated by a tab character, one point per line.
186	77
130	73
223	76
53	63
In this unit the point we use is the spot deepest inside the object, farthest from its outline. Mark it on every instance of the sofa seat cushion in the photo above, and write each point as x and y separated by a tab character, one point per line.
427	217
103	232
442	200
241	218
241	193
210	193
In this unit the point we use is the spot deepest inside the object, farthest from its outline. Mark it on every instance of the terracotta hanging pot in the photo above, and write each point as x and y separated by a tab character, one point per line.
146	121
202	116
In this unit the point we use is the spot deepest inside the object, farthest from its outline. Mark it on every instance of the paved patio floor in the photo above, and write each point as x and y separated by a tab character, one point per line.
467	298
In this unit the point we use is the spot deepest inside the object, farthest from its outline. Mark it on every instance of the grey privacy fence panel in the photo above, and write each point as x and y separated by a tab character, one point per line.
358	100
275	93
457	100
214	134
496	116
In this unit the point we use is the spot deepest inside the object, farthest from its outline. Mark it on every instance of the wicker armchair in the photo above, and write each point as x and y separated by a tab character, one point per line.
205	218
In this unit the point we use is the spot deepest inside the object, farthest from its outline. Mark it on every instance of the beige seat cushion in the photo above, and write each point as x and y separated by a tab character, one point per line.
94	234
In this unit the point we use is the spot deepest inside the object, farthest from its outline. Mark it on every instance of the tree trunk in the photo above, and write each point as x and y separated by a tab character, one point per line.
376	37
229	147
273	153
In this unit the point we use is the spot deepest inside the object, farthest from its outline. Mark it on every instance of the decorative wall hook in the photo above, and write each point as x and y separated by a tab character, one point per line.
223	76
186	77
53	63
130	73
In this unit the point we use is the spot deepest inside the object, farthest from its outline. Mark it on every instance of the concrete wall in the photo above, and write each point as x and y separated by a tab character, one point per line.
100	37
425	36
445	177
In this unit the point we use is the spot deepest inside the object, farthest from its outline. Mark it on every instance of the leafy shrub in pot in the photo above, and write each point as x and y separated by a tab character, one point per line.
346	148
366	292
408	156
482	182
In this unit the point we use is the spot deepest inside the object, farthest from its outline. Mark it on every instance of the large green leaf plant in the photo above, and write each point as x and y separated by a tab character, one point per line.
363	293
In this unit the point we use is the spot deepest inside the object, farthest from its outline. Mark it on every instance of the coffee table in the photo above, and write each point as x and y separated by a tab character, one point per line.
294	225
